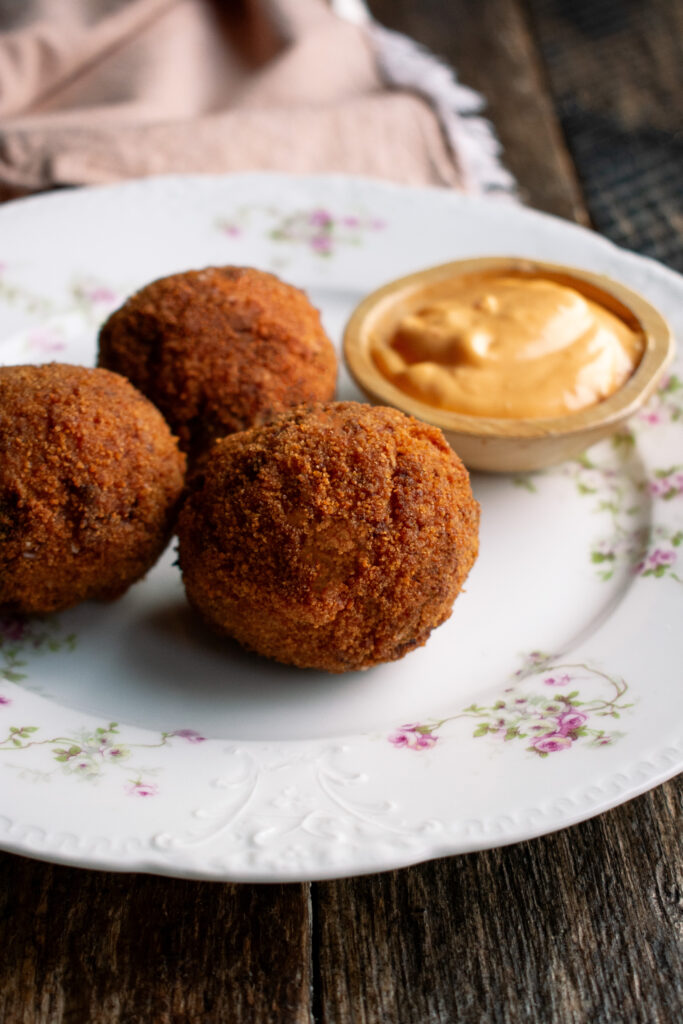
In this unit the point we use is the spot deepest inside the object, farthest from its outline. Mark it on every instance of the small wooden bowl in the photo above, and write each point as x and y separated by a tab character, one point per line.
511	445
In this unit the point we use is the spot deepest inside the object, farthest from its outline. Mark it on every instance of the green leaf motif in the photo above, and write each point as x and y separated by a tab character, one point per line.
624	439
526	483
11	676
673	384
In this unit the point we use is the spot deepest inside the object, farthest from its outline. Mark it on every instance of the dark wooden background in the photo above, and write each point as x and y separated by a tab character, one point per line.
582	926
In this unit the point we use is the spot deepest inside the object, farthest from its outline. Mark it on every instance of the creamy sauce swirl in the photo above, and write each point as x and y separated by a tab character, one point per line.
509	347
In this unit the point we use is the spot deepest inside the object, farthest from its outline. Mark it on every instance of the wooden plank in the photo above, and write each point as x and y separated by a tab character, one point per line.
616	73
583	925
99	948
490	45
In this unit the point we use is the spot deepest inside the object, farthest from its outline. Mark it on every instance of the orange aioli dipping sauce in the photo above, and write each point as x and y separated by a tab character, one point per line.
508	346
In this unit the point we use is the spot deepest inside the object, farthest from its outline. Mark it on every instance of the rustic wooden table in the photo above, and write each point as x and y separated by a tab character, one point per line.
582	926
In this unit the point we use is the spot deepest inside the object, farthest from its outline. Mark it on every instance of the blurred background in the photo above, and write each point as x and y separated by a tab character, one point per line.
586	96
600	82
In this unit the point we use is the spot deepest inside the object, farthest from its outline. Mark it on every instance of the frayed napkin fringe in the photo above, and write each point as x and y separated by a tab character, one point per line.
405	64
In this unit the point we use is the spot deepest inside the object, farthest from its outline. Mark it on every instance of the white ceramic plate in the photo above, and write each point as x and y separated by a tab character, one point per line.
132	739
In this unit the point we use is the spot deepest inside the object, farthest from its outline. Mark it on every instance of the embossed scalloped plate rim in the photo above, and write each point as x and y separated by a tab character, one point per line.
353	803
535	823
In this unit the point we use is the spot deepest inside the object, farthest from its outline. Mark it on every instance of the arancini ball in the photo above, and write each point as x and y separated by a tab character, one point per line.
219	350
90	478
336	537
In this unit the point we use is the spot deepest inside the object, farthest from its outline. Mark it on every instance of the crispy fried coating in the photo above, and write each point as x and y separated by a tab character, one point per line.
219	350
335	538
90	477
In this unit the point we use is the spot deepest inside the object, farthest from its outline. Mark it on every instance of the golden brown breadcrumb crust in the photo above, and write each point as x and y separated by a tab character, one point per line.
90	476
219	350
336	537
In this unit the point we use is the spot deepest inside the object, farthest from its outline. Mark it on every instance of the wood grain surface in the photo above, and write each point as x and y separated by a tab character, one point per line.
79	947
572	927
615	68
582	926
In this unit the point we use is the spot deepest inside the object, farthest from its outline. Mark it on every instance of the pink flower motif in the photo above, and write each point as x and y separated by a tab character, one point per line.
570	720
650	417
321	244
667	486
320	218
377	224
404	736
190	735
551	742
4	700
413	738
142	789
658	557
400	739
351	222
562	680
46	344
425	741
232	229
99	293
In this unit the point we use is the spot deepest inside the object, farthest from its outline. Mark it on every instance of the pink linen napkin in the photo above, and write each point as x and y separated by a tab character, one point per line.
97	91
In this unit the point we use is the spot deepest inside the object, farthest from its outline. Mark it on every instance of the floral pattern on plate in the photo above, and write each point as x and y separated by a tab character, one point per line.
612	476
319	229
549	723
89	755
23	637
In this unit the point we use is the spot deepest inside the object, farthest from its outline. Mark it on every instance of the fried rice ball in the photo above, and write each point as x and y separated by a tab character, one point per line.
219	350
335	538
90	477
